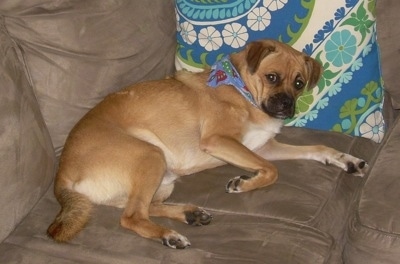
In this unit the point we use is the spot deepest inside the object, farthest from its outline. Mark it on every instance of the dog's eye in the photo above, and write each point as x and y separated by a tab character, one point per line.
298	84
272	78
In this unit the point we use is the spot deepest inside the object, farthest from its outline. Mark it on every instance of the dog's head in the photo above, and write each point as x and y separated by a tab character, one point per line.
276	74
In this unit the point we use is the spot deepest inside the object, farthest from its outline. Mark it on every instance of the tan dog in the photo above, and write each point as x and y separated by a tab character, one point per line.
129	149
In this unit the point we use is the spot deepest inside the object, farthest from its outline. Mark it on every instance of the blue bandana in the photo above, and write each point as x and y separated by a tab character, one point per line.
223	72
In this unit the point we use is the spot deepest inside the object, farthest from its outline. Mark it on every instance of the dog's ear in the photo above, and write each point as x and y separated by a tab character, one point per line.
256	52
314	70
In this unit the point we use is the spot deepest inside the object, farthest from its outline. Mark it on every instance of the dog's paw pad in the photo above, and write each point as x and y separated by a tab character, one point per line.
175	240
198	217
234	184
357	169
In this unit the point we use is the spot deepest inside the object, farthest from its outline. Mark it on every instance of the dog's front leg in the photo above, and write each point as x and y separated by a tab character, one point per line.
274	150
230	150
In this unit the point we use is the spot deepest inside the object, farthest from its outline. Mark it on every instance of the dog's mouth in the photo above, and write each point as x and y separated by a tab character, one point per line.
279	106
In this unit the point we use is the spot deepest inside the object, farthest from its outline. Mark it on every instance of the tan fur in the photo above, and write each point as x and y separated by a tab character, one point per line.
129	149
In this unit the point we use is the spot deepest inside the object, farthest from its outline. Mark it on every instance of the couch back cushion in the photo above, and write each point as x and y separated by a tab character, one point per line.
26	153
339	34
389	39
77	52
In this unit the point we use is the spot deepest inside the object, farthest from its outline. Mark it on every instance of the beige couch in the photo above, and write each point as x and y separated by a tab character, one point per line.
59	58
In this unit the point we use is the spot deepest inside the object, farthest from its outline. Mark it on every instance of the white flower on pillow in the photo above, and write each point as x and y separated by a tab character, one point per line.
259	19
210	38
235	35
274	5
373	127
187	32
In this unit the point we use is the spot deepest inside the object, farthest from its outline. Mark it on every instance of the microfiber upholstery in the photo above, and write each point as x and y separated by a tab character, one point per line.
27	159
59	58
374	233
389	34
301	218
77	52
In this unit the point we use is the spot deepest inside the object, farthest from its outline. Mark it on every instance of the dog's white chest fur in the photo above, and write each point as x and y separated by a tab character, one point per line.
258	134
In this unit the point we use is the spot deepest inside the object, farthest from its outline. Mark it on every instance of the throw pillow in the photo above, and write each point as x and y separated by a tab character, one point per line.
341	35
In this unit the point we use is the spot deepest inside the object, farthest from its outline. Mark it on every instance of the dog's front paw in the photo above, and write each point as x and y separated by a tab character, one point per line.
198	217
350	164
175	240
357	169
234	185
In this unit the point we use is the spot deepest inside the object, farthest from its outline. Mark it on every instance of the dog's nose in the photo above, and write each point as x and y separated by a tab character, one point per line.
284	100
280	105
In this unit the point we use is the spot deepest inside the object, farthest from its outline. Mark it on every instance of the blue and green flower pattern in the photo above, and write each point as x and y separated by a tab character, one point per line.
340	34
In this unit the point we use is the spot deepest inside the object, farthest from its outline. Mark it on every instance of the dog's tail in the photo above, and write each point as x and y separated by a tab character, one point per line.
75	212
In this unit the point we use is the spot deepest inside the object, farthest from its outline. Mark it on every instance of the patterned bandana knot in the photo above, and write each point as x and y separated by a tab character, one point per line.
223	72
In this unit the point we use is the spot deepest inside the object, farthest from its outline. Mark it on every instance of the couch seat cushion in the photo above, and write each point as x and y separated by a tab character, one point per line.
304	191
300	219
231	238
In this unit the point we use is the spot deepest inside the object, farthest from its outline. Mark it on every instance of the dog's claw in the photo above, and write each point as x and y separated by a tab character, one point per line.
233	185
198	217
175	241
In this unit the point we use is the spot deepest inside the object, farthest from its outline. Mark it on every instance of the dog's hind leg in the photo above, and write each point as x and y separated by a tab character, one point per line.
136	213
189	214
136	218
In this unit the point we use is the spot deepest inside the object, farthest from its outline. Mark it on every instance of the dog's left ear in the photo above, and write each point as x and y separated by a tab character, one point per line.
314	70
256	52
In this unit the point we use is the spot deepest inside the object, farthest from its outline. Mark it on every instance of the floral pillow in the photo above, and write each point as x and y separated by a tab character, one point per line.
339	34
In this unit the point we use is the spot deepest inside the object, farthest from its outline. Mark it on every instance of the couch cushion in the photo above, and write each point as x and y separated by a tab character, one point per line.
312	185
389	39
300	219
307	192
374	235
339	34
230	238
79	51
27	159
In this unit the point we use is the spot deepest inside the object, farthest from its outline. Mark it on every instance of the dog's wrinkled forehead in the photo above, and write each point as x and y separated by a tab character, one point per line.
283	57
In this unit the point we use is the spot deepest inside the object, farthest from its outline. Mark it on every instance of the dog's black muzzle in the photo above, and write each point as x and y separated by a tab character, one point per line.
280	105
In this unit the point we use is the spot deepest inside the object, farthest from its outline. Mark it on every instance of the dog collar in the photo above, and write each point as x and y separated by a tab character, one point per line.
223	72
